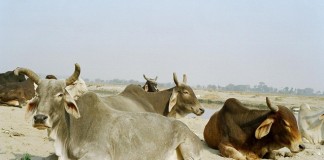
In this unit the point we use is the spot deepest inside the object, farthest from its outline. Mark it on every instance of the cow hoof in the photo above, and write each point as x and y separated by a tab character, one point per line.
288	154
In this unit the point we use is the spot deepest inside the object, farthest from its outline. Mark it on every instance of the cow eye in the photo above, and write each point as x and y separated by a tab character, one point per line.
60	95
185	92
286	123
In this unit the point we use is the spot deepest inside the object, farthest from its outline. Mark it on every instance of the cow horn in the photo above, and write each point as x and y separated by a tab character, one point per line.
74	76
184	79
272	108
145	77
155	78
175	79
29	73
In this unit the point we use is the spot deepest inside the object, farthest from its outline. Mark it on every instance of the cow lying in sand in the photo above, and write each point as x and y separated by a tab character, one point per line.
311	124
242	133
88	129
175	102
17	93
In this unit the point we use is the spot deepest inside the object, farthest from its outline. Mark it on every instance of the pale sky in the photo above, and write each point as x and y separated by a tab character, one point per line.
279	42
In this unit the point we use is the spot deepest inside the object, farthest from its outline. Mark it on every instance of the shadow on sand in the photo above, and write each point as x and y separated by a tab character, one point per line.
21	157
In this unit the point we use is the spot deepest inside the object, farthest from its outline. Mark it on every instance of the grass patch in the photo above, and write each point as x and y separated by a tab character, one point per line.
26	156
278	99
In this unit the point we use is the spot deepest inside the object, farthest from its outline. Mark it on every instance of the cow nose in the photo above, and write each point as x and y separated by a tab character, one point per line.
40	118
202	110
302	147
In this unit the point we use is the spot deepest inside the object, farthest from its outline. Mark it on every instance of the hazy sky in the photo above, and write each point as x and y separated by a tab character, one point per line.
279	42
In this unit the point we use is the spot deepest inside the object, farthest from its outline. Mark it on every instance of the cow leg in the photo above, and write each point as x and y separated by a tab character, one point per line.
189	151
276	154
227	150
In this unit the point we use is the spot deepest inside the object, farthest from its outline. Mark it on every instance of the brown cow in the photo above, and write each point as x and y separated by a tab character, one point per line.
176	102
150	85
9	77
17	93
242	133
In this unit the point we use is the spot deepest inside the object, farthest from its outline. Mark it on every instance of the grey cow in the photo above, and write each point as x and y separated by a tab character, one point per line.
87	129
311	123
175	102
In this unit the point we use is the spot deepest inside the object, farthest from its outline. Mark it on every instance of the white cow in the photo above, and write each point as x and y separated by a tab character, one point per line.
310	121
77	88
88	129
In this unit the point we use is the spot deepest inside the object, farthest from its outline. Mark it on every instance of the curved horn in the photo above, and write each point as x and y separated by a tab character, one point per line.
74	76
272	108
145	77
184	79
175	79
155	78
29	73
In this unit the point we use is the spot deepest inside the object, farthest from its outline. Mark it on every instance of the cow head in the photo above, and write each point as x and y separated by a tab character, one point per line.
51	100
183	100
281	125
150	85
77	88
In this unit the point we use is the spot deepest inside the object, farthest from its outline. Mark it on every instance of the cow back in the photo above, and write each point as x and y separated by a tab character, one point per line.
9	77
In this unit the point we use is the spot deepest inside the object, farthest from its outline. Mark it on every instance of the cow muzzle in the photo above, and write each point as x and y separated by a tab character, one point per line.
302	147
199	111
298	148
40	122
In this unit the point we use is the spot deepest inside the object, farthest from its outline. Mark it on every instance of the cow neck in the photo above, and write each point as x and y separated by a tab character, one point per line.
160	101
61	128
254	117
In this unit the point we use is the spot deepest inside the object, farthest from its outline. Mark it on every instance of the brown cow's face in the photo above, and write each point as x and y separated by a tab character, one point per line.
187	100
286	130
183	100
150	86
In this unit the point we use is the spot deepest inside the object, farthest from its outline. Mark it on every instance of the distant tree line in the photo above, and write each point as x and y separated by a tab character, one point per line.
260	88
263	88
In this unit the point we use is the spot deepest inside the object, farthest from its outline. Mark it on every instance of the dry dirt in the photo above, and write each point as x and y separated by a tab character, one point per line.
18	137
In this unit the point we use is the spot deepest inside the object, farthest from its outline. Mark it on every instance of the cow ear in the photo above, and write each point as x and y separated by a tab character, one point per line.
173	99
31	107
71	106
146	87
264	128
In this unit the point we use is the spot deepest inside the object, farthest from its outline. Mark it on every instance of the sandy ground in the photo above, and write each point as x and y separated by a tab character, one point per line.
18	137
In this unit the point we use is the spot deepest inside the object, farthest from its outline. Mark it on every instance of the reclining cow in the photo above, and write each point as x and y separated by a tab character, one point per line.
242	133
88	129
311	124
150	85
17	93
174	102
15	90
9	77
